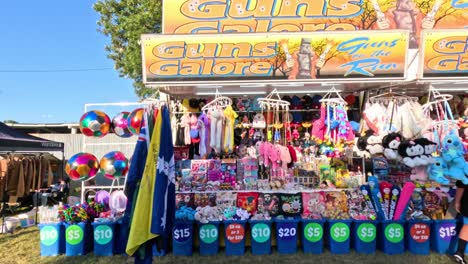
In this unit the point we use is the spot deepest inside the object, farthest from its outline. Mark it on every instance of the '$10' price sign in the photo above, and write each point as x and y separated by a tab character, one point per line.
261	232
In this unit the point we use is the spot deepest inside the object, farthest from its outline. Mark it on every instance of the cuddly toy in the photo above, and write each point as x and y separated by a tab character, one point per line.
361	145
411	152
319	128
453	155
429	148
374	145
437	170
390	143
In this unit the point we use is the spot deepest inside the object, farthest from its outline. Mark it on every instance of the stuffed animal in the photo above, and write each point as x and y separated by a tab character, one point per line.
437	170
319	128
453	155
374	145
429	148
410	153
390	143
361	145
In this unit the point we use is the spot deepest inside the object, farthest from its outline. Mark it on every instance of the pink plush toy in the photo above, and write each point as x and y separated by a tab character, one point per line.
318	127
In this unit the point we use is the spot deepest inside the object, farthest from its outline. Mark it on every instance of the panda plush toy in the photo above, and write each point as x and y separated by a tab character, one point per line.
411	153
390	143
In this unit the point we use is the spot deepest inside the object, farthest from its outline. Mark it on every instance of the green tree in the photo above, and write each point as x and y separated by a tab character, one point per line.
123	21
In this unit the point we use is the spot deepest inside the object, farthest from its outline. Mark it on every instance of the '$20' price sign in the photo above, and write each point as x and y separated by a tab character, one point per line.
235	233
287	231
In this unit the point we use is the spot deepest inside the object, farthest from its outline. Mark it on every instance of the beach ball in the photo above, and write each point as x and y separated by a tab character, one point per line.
120	125
114	165
118	201
95	124
82	166
134	120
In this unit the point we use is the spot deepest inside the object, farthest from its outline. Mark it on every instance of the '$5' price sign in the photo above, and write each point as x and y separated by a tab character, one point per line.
339	232
394	233
287	231
367	232
182	233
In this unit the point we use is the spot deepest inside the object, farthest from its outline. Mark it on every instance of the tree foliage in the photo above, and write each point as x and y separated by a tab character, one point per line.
123	21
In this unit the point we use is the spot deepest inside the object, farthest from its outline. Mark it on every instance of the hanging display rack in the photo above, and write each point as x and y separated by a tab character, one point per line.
218	102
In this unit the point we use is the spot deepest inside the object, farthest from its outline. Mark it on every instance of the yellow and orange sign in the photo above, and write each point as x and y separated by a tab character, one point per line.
261	16
305	57
444	54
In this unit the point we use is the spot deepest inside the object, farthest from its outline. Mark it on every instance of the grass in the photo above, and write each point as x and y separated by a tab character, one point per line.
23	247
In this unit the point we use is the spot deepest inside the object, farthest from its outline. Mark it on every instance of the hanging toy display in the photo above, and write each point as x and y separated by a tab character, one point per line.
114	165
82	166
134	120
95	124
453	154
120	125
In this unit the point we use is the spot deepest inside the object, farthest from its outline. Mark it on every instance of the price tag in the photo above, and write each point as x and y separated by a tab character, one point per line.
261	232
287	231
313	232
182	233
49	235
103	234
420	232
447	231
235	233
394	233
339	232
208	233
367	232
74	235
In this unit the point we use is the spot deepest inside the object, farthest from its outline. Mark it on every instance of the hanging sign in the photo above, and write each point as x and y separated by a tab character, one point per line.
444	54
260	16
304	57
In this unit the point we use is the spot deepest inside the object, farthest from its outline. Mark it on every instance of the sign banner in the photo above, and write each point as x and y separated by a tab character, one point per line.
305	57
444	54
261	16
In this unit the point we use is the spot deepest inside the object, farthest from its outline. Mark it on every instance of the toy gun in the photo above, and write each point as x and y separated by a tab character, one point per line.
378	11
431	15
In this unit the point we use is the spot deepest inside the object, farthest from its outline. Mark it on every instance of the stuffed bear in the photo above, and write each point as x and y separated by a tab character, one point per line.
390	143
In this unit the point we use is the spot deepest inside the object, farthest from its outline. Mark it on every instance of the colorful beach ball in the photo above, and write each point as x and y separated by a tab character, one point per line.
82	166
134	120
95	124
120	125
114	165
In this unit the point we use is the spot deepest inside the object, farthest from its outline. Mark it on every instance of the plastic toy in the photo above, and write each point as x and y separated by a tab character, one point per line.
82	166
95	124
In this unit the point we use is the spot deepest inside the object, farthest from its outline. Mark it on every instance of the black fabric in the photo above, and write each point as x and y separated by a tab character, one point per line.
464	199
461	246
14	140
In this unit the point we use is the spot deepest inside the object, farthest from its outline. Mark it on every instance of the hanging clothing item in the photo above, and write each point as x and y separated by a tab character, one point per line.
174	128
216	127
203	127
185	123
230	116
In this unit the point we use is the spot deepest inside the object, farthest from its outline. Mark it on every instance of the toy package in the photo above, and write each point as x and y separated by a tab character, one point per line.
268	203
291	204
248	201
205	199
199	172
184	175
226	200
185	199
229	174
435	204
314	205
247	173
380	168
214	175
358	207
336	206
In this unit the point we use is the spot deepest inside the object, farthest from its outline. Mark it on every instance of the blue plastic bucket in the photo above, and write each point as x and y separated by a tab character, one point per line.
208	235
312	236
104	235
260	232
182	238
339	236
364	236
78	239
52	238
286	235
234	237
392	234
418	234
121	237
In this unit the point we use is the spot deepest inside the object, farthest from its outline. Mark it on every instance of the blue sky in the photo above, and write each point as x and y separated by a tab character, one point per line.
54	35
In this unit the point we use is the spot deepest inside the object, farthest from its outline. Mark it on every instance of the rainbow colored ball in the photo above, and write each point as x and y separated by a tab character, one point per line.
120	125
114	165
82	166
134	120
95	124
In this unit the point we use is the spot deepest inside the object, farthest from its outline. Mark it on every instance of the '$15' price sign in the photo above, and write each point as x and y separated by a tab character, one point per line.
447	231
182	233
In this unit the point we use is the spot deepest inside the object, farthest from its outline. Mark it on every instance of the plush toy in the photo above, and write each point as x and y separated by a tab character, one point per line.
453	155
411	152
361	145
374	145
390	143
319	128
437	170
429	148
